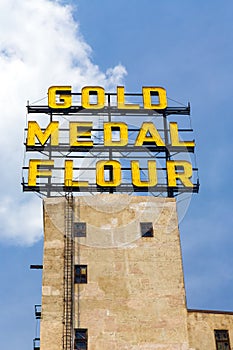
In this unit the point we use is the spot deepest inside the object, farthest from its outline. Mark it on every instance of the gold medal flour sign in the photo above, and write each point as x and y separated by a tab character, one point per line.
149	152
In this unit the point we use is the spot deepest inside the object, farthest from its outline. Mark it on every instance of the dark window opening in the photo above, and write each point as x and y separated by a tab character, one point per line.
80	229
147	229
80	340
222	339
80	274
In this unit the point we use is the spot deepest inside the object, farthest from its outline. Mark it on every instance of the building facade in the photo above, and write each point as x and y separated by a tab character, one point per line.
113	278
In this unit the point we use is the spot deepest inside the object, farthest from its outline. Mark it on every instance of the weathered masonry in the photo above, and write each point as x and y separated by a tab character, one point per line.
128	290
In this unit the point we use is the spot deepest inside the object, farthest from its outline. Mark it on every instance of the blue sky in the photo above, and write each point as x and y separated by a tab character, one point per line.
184	46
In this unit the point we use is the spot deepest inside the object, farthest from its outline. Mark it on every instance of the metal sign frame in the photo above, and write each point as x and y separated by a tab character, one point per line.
51	187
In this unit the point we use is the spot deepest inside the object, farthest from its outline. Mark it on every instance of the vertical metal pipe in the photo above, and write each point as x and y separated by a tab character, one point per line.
170	192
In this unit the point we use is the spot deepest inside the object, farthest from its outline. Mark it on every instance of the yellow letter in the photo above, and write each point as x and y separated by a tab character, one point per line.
80	130
109	128
69	176
153	137
98	91
35	131
152	174
114	168
154	91
173	175
65	99
34	172
121	100
175	137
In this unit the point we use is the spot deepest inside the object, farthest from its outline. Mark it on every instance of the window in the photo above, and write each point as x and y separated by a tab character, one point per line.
146	229
80	274
222	340
80	229
80	340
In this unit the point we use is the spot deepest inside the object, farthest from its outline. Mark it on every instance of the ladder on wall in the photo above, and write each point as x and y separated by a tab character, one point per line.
68	274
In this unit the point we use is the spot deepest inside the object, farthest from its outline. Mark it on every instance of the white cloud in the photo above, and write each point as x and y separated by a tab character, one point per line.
21	222
40	46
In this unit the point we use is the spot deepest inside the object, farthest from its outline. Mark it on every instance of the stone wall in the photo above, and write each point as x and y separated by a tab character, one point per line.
52	283
201	326
134	297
